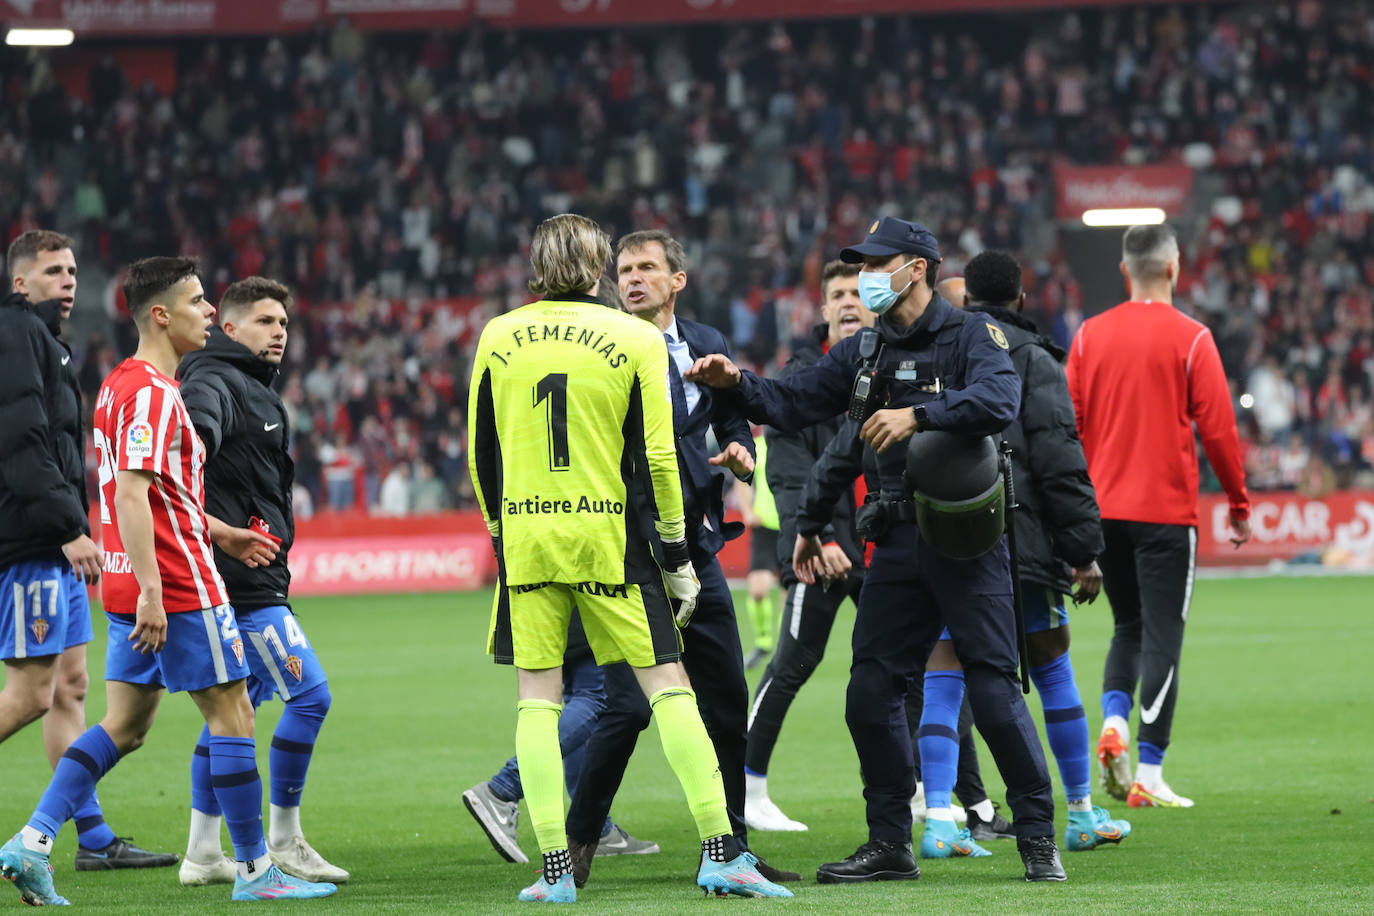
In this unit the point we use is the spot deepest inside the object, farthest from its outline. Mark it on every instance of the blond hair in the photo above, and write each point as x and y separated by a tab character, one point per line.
568	254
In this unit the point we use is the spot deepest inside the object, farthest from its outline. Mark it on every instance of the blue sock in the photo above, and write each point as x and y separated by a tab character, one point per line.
91	830
1151	753
234	774
90	757
1116	703
202	787
938	736
293	742
1066	725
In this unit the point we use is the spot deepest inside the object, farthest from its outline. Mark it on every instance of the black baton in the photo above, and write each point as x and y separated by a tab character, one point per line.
1022	652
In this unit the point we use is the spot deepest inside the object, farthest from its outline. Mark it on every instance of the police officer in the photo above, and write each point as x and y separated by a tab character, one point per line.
928	367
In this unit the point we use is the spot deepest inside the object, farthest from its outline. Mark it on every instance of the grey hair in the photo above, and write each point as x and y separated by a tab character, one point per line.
568	254
1147	250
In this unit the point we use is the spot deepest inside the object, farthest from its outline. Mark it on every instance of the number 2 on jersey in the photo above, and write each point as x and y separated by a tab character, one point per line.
553	389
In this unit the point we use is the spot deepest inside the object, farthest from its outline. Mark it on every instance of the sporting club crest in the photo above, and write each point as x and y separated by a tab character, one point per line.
237	646
40	629
293	664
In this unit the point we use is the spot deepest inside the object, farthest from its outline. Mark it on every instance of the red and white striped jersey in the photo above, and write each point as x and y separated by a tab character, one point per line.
141	424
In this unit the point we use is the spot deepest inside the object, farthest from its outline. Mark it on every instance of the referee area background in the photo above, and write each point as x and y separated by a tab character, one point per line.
388	160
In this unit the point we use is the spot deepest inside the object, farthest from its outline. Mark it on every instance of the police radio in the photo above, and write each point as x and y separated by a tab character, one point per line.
870	391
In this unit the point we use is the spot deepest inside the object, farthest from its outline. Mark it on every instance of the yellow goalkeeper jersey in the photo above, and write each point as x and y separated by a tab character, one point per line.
571	444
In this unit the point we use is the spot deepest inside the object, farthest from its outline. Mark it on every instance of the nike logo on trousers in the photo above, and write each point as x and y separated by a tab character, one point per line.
269	427
1148	714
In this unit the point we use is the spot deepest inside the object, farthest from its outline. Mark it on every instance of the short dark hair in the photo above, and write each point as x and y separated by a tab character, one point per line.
836	268
243	293
672	248
149	278
1146	250
993	277
29	244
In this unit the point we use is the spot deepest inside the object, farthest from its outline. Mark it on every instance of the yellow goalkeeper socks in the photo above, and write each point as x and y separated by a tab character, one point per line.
762	618
692	757
541	770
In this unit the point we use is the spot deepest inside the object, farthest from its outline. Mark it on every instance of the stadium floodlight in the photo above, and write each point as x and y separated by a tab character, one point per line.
1129	216
40	38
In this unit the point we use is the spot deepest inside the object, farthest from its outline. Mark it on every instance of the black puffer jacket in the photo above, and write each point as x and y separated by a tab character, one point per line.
248	468
1057	524
790	459
43	502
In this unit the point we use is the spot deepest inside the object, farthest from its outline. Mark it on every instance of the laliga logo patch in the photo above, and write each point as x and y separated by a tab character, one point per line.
40	630
237	646
139	441
293	664
997	336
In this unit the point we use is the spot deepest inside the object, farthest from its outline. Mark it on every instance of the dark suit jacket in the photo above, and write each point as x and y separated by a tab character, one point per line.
703	485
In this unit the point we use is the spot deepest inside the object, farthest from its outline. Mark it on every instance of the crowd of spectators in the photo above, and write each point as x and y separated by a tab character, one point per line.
380	174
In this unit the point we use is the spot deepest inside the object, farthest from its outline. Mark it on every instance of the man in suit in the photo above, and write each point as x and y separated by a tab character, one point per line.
650	268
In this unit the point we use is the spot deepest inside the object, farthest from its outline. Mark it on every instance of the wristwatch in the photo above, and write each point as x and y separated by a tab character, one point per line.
920	411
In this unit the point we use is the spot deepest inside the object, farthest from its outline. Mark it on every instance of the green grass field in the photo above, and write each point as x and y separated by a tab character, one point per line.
1272	739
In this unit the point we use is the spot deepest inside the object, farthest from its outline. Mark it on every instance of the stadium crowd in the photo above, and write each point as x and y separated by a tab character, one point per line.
763	147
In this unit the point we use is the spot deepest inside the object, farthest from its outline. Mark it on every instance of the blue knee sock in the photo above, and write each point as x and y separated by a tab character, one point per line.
293	742
90	757
939	735
1116	703
234	774
202	787
1151	753
1066	725
91	830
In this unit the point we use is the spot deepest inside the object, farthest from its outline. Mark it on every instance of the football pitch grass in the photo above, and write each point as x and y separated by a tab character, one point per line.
1273	740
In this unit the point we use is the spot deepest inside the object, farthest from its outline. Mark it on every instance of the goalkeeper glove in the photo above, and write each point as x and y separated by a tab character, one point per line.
681	580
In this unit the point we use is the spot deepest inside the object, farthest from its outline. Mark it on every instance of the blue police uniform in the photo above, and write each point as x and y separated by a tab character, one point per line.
954	370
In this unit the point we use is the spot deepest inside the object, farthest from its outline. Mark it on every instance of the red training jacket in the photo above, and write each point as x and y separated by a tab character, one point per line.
1141	374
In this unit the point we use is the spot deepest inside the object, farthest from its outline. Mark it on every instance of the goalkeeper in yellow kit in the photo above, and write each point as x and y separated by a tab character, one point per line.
573	460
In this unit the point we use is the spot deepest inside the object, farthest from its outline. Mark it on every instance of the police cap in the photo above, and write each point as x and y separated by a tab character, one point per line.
890	235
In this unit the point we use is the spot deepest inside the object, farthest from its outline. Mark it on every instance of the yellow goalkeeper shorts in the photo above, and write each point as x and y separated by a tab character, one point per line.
624	622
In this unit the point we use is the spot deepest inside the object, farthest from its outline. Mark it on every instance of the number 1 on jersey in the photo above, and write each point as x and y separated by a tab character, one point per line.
553	388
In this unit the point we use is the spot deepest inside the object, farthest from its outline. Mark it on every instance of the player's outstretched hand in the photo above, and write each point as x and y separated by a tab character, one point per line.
252	548
150	625
714	371
85	557
888	427
1087	583
685	586
736	459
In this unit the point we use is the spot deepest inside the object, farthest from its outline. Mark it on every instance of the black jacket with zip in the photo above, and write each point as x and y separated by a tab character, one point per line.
1057	522
248	467
43	502
790	459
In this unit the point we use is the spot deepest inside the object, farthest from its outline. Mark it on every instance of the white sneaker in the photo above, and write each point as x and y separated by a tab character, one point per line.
1160	796
762	814
199	874
298	858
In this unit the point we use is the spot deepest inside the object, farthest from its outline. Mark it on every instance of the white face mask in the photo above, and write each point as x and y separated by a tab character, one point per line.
875	288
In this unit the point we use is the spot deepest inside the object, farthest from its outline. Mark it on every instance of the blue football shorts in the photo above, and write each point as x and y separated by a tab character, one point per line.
203	649
43	608
1043	609
281	661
